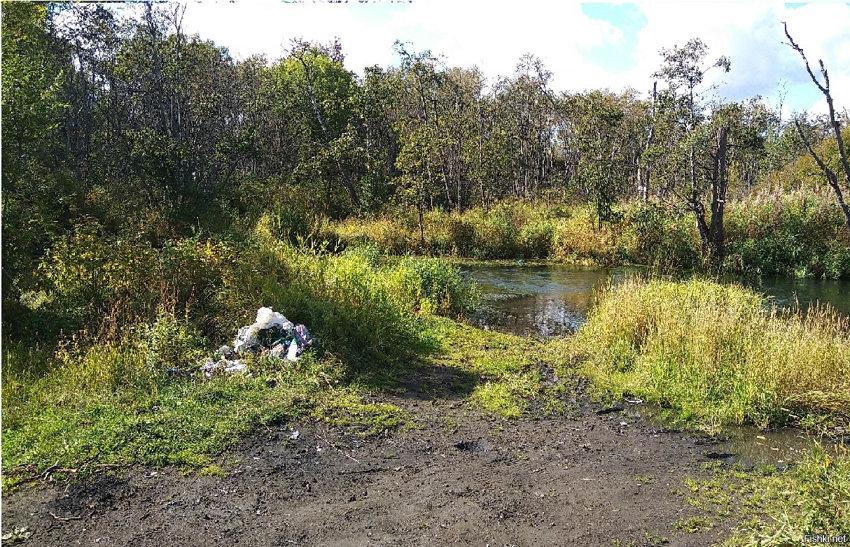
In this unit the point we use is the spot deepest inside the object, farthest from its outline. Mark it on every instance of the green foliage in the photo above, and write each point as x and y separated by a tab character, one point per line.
776	508
797	234
654	237
116	391
170	343
98	281
435	286
36	191
601	124
716	354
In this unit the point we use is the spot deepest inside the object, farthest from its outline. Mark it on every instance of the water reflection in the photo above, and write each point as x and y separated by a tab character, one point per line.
547	300
787	292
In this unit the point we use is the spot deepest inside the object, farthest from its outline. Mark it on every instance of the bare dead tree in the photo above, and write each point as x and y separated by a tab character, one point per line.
831	176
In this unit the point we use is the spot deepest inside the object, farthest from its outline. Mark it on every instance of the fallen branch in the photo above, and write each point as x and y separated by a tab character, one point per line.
50	469
57	517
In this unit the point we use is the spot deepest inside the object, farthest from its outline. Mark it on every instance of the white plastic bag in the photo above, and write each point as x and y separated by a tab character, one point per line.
267	318
246	338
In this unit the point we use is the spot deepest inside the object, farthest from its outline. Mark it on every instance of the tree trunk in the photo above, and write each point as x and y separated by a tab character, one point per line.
643	172
719	183
421	226
831	177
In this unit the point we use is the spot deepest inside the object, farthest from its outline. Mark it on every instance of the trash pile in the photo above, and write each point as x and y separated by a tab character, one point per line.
271	333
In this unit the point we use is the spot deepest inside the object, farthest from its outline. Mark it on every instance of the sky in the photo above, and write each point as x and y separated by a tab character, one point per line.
584	45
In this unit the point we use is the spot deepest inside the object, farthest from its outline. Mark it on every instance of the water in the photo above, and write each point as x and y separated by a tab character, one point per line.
539	300
786	292
553	299
745	445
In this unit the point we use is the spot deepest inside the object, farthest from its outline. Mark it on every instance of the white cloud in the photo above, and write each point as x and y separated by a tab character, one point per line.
751	34
493	35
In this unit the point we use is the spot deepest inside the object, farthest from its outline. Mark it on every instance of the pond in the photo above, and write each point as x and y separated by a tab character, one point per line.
553	299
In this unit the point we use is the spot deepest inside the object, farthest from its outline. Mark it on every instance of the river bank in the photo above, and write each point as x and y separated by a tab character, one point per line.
794	234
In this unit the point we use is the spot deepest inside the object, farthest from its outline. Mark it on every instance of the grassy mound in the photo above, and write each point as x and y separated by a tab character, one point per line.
716	353
108	390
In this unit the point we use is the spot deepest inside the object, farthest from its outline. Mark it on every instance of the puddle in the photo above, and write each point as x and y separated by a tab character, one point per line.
747	446
752	448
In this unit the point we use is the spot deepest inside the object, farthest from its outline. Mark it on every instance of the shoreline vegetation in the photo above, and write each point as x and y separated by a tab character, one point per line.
794	234
710	352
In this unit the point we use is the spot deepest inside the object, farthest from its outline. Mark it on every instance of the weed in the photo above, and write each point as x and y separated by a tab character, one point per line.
693	524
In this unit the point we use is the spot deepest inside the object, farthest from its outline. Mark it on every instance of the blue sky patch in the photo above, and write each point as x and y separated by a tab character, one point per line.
616	56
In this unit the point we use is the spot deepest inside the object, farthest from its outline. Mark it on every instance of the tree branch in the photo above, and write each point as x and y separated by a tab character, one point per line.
793	44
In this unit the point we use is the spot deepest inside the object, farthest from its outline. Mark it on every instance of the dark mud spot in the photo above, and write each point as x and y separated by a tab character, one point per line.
610	410
474	446
719	455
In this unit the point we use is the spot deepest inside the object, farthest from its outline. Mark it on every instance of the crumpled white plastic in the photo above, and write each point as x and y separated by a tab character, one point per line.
266	319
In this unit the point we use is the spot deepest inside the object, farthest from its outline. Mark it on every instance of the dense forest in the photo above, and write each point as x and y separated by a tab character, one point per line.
156	191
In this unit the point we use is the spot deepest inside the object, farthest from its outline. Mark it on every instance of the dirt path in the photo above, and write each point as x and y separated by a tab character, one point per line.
462	477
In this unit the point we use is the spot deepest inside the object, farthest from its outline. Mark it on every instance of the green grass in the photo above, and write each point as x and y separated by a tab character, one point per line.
89	412
499	372
106	395
103	395
768	507
107	405
716	354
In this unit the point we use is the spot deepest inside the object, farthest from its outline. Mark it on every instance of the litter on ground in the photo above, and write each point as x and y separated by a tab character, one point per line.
271	333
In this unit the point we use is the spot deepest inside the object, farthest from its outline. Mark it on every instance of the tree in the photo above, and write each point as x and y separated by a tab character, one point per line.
36	191
831	176
600	136
705	145
324	66
526	111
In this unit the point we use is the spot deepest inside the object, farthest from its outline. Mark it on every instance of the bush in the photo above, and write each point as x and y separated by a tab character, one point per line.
655	237
433	286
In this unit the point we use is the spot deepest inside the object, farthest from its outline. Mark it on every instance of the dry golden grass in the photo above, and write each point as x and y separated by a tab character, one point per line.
717	352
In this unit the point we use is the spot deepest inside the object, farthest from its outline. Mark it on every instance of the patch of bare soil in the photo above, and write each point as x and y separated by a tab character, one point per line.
462	477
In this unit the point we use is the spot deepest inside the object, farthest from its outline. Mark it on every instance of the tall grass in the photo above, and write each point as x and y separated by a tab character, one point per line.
716	353
799	234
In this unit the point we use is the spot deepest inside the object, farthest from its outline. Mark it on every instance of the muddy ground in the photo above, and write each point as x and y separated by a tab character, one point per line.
460	477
